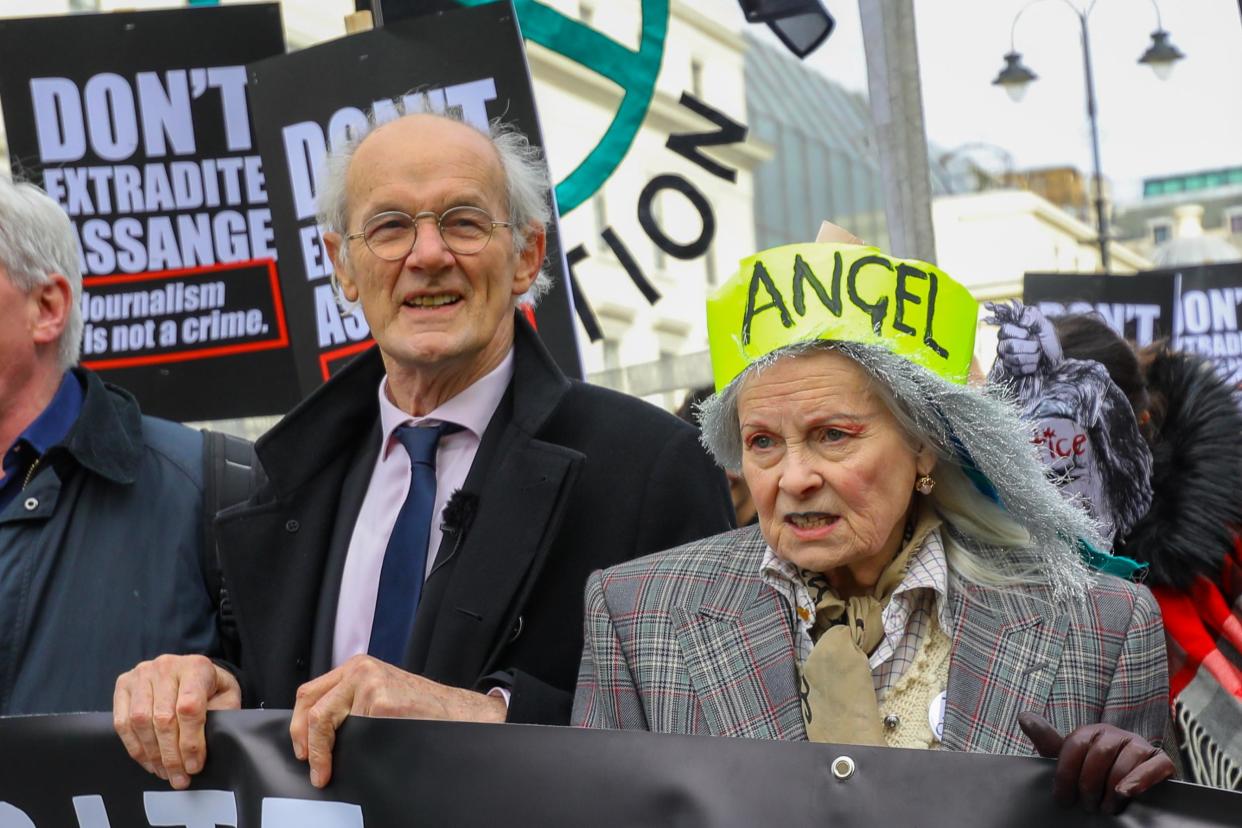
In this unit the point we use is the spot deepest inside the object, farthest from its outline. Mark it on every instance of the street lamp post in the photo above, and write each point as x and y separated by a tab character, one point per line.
1015	77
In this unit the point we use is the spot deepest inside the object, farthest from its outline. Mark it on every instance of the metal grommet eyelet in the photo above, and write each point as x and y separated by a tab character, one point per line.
843	768
892	721
31	504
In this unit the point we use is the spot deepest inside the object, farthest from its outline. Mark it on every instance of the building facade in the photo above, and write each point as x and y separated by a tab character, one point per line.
1193	218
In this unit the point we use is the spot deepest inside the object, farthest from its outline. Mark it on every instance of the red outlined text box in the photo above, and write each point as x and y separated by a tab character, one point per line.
280	340
344	352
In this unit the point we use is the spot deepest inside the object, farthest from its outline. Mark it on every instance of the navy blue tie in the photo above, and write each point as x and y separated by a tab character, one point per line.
405	559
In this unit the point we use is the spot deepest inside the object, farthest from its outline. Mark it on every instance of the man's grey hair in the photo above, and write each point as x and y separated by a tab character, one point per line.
1029	538
37	240
527	183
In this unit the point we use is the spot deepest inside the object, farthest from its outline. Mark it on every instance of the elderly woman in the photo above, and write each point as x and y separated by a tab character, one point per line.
913	581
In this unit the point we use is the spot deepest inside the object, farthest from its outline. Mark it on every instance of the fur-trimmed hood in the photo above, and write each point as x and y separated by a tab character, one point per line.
1196	471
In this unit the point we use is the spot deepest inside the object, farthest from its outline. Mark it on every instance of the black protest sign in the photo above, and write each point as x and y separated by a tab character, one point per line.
1208	297
72	770
1139	308
1195	308
136	123
472	59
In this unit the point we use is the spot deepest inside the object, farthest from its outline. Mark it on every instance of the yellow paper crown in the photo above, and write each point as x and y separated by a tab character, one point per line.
844	292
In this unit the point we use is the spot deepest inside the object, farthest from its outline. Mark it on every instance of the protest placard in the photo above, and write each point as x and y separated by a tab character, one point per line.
147	145
470	59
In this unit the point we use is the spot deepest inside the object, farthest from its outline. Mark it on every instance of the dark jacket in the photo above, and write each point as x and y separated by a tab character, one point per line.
570	478
1189	537
1196	448
100	558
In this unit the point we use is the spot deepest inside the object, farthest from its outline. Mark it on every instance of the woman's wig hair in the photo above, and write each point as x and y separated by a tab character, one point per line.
527	183
1021	533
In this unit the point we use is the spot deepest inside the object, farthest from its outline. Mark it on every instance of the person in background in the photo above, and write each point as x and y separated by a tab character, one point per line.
1088	337
914	580
1190	539
743	503
101	523
1188	536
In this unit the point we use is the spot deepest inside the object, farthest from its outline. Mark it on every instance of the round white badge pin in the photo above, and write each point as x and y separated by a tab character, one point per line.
935	716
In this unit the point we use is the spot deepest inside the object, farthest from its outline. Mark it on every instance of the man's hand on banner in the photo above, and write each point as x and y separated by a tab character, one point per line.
366	686
1101	766
159	710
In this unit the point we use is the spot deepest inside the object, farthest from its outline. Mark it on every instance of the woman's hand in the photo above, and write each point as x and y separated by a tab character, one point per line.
1101	766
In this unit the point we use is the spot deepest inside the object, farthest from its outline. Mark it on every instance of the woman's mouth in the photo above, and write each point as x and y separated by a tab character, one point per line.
810	525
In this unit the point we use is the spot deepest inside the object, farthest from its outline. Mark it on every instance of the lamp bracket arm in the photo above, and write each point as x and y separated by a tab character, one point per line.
1013	28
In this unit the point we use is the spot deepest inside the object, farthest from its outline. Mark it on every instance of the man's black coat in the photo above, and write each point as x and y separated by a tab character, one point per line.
570	478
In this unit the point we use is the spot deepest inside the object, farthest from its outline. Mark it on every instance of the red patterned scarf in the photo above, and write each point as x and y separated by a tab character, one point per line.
1203	628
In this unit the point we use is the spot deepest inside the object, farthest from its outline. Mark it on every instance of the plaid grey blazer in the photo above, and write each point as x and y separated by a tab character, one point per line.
693	641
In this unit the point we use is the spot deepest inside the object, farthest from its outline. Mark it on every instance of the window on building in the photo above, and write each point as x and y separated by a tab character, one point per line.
83	5
1234	219
1161	231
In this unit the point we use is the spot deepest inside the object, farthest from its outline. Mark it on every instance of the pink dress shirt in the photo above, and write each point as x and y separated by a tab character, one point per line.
390	481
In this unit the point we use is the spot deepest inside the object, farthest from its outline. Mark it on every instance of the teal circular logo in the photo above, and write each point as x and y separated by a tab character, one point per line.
635	72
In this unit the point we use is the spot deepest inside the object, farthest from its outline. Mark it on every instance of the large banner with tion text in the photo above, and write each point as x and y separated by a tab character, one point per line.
137	124
66	771
470	59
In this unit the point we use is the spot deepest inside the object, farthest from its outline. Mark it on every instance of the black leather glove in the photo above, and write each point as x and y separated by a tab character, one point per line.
1100	766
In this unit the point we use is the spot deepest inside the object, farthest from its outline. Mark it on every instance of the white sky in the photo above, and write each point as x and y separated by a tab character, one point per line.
1148	127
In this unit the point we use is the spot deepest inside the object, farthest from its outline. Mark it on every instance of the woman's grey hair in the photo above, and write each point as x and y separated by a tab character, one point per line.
527	183
37	240
1030	538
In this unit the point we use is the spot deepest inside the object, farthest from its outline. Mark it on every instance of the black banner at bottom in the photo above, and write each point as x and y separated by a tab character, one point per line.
72	771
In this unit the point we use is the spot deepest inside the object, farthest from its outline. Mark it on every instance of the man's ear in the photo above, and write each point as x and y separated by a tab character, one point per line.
530	260
50	306
344	274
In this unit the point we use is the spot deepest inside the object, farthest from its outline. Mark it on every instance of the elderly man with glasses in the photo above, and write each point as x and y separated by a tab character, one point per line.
427	520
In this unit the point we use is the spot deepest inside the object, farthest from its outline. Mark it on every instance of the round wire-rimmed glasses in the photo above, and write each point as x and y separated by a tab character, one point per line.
391	235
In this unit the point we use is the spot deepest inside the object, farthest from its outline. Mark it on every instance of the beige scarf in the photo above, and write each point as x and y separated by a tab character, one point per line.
838	694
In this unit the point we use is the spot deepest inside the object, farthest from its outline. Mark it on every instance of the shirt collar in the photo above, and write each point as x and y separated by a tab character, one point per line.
928	569
472	409
54	422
